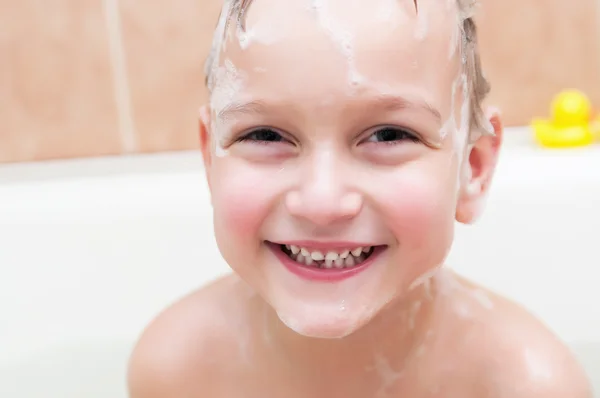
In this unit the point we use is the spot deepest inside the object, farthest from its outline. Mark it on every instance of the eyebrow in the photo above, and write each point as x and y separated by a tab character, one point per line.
392	103
234	108
389	103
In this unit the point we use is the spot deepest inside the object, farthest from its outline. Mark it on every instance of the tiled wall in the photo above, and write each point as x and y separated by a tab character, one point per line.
99	77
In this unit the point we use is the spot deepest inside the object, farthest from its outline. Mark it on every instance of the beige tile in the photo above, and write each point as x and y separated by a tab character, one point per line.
530	52
166	44
532	49
58	99
56	96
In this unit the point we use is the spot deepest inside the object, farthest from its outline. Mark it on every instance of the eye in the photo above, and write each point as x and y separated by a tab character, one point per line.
263	136
392	135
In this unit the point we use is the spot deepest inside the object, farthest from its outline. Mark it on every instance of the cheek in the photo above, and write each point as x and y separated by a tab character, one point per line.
420	209
241	199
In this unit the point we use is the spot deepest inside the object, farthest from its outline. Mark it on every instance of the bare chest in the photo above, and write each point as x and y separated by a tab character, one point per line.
370	383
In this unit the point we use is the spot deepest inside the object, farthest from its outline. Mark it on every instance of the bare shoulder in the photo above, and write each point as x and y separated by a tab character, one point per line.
180	352
521	357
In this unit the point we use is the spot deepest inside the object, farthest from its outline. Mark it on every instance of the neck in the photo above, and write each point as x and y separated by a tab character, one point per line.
384	346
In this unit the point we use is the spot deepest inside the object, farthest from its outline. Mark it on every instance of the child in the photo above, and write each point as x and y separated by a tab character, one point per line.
342	140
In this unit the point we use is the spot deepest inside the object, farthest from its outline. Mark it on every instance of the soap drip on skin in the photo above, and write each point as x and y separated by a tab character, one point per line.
458	132
425	281
422	23
340	37
225	81
414	310
387	374
229	83
450	285
219	44
261	32
457	31
454	42
451	127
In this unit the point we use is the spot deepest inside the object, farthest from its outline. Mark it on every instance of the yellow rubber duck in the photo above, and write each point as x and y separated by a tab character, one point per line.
570	125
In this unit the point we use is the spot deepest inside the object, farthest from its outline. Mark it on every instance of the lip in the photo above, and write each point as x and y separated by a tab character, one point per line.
319	274
338	245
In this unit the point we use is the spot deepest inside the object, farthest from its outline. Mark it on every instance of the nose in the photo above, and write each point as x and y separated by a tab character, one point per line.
323	195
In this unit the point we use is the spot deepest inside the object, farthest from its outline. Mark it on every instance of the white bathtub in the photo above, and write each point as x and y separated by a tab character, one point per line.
91	250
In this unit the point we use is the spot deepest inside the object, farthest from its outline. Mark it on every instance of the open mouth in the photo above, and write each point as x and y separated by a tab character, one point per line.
331	259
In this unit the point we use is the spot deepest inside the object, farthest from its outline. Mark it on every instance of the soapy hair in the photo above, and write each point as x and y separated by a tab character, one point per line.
478	86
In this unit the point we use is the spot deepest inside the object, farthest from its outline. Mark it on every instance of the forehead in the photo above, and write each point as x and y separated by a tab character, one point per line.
325	48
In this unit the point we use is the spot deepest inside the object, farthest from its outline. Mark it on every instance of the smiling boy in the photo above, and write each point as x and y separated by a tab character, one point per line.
342	141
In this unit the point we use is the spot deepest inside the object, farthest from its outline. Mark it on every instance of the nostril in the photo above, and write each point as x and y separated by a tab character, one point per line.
351	204
323	210
293	202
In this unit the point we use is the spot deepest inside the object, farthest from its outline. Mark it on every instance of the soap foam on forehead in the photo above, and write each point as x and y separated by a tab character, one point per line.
266	32
262	30
218	45
228	85
341	37
226	81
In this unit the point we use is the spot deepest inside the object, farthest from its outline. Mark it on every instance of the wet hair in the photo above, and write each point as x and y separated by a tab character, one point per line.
477	85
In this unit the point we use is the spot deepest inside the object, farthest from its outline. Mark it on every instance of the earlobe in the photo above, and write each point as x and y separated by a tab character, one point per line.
205	140
480	166
205	136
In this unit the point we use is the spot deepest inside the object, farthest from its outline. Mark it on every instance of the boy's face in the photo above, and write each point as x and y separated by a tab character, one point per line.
336	126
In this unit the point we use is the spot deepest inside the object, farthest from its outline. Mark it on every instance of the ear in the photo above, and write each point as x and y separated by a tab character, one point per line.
478	170
205	139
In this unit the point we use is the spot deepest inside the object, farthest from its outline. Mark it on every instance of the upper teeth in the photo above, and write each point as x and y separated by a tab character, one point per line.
330	258
318	255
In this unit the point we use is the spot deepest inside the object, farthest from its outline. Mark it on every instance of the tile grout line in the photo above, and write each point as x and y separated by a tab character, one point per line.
122	93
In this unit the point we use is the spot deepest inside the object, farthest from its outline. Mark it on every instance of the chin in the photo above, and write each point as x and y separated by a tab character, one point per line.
333	321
